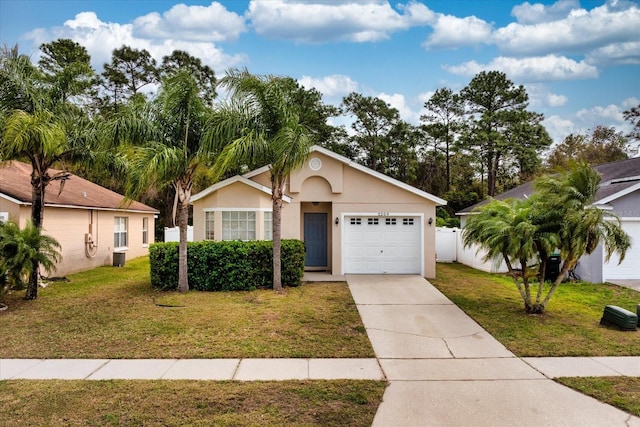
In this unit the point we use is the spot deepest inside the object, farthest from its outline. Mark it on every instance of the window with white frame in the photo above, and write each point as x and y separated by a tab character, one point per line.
208	225
145	231
238	225
268	226
120	232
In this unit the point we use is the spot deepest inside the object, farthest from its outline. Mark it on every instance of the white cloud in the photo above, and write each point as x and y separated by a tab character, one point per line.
528	13
559	127
630	102
534	69
616	53
101	38
608	113
580	31
554	100
425	96
540	96
213	23
336	85
318	22
405	107
451	32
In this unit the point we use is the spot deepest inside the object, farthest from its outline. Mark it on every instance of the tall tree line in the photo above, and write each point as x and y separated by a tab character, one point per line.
469	144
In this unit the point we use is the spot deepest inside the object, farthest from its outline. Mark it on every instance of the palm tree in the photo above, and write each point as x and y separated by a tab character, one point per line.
22	251
508	231
558	215
262	126
172	147
31	131
580	226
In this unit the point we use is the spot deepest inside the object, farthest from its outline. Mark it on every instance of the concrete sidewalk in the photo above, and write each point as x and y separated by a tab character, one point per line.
305	369
191	369
446	370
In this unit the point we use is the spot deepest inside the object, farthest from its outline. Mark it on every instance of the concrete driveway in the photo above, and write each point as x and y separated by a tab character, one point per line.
446	370
632	284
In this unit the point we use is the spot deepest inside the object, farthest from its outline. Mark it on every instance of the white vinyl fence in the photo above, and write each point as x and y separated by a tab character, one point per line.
173	234
449	248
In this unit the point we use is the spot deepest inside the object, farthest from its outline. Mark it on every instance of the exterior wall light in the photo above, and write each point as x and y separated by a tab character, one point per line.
430	221
337	220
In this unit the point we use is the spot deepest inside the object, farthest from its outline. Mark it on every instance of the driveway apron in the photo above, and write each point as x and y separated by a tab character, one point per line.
444	369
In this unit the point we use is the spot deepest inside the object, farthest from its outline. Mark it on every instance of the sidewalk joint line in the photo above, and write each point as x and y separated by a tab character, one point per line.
423	336
606	366
97	369
235	371
169	367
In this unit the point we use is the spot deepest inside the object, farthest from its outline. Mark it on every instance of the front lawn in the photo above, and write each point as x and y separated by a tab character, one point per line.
569	327
195	403
112	312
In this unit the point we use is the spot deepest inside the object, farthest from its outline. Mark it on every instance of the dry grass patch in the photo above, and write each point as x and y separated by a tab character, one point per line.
194	403
113	312
569	327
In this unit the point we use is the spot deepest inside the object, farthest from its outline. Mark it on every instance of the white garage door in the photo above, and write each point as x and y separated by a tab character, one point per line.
628	269
382	245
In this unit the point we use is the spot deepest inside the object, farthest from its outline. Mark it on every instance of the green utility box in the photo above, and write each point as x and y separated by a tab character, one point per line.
619	317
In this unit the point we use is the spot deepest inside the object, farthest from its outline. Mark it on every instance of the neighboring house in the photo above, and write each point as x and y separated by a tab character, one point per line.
352	219
90	222
619	193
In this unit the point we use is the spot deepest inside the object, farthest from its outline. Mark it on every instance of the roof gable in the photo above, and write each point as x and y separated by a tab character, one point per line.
15	183
241	179
437	200
246	179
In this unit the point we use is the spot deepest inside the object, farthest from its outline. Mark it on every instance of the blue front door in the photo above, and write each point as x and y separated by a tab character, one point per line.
315	239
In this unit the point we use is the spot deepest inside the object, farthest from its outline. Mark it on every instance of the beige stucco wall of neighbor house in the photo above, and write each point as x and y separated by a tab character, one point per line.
69	226
18	213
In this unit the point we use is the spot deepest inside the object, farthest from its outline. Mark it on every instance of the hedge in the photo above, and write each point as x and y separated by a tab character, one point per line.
226	266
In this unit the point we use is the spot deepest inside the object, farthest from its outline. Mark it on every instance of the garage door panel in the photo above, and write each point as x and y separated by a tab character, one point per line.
382	245
628	269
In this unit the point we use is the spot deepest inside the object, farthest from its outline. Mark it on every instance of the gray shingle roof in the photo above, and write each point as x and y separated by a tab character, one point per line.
616	177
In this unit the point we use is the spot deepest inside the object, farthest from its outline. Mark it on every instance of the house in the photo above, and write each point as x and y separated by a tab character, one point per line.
90	222
619	193
352	219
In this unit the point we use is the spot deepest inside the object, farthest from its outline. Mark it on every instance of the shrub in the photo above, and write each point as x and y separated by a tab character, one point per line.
226	266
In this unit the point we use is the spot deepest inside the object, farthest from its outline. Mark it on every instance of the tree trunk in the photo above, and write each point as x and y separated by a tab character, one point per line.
277	231
492	173
38	186
448	161
183	222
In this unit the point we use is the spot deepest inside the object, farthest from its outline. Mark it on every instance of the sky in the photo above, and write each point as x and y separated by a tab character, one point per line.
578	60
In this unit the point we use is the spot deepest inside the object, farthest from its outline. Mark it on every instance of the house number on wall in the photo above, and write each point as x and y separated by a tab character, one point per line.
383	213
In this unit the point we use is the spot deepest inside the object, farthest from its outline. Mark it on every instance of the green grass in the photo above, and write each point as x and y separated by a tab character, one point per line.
569	327
621	392
113	312
194	403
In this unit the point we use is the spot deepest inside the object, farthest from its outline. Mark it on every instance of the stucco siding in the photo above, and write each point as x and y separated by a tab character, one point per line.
627	206
11	208
235	196
69	227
